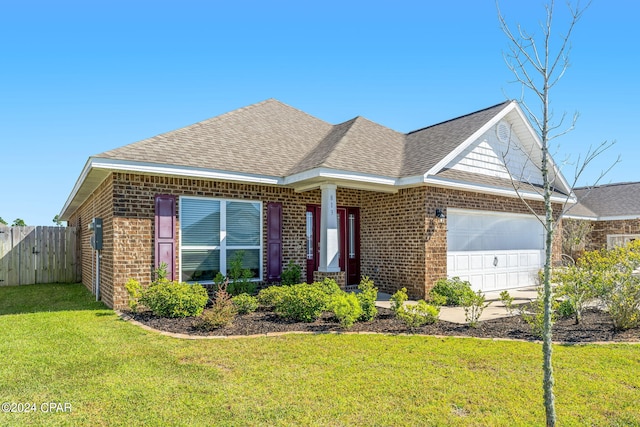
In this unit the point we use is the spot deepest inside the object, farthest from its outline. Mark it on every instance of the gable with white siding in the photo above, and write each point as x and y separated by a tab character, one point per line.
499	153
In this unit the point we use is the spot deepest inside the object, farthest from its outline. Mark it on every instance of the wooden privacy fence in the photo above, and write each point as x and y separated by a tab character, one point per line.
30	255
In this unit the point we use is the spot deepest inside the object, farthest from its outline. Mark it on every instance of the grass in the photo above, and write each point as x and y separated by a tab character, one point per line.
58	345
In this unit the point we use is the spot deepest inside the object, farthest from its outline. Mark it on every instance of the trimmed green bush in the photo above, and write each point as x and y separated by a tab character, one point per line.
135	292
566	309
302	303
272	296
398	299
454	290
240	278
245	303
346	308
292	274
418	315
174	299
367	297
328	286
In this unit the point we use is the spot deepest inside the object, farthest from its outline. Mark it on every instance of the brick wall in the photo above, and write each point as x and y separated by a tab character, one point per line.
393	235
402	244
601	229
98	205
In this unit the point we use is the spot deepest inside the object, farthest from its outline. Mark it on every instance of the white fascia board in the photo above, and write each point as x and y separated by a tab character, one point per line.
339	175
165	169
556	171
602	218
159	169
76	187
618	217
579	217
487	189
477	134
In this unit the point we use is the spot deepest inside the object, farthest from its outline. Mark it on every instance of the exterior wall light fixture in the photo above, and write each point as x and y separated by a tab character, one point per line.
440	215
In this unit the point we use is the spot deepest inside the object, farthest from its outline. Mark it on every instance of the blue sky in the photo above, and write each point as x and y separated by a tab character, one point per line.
78	78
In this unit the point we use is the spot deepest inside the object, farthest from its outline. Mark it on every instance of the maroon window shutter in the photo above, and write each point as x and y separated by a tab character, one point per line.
274	241
165	235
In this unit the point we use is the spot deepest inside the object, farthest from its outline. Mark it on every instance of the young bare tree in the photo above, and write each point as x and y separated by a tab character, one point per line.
538	63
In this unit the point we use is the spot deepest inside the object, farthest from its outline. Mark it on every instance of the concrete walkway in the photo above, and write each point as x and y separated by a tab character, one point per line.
494	310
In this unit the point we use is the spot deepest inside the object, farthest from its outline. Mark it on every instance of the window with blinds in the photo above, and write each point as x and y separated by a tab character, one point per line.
212	231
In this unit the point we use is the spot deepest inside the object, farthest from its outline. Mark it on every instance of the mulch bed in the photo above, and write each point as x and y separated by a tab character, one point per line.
596	326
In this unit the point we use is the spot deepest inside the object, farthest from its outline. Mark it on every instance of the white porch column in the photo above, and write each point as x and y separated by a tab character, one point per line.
329	257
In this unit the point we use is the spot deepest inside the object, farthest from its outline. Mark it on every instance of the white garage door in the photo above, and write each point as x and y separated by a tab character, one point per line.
494	251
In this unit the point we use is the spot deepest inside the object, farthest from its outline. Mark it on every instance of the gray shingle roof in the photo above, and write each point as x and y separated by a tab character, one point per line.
268	138
492	181
426	147
271	138
621	199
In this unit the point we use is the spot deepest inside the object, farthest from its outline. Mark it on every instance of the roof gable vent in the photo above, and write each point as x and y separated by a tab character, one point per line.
503	131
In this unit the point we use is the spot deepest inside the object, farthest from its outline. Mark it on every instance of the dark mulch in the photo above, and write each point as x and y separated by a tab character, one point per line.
596	326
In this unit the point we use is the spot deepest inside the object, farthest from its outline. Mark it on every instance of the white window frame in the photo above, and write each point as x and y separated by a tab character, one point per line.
223	247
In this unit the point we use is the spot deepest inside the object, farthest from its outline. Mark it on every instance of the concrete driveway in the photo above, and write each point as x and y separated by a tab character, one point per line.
494	310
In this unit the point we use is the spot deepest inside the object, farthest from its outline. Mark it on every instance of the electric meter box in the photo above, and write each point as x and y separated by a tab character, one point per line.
96	237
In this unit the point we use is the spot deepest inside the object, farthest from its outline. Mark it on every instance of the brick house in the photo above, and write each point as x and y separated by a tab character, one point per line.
613	211
342	201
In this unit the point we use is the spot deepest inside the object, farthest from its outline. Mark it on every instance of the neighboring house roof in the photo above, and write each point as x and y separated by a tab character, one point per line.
607	202
273	143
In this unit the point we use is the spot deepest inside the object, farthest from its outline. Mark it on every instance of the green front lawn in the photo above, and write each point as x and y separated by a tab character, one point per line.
57	345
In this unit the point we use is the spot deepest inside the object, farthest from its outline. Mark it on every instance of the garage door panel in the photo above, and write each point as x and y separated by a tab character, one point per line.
512	260
535	258
492	250
490	281
511	271
501	280
476	262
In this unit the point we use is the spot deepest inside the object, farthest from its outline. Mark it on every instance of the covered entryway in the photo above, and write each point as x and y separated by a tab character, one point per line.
348	227
494	250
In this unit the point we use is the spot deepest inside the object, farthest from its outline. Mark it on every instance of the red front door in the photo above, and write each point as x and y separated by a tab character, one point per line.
348	242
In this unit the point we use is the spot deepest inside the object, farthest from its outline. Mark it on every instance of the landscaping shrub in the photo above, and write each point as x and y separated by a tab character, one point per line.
606	274
454	290
413	316
418	315
533	313
240	278
221	313
474	304
575	285
367	297
622	299
135	292
328	286
346	308
174	299
398	299
271	296
245	303
160	273
507	300
292	274
303	302
566	309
